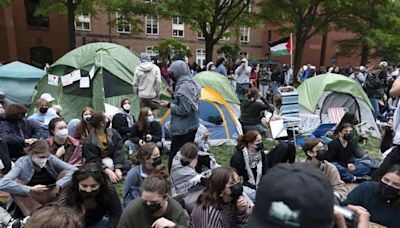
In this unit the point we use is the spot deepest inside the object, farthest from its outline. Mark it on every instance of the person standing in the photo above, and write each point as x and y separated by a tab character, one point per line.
147	82
220	67
242	74
184	108
374	88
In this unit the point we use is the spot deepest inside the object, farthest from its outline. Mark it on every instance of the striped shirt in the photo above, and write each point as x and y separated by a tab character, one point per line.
227	217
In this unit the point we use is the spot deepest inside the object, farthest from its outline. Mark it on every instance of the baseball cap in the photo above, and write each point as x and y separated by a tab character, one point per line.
47	97
293	195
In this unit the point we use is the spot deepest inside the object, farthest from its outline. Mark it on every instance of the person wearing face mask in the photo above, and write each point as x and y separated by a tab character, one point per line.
251	163
93	196
62	145
104	145
124	119
80	128
43	116
145	130
314	149
242	74
381	198
145	163
36	178
17	131
154	208
341	152
222	203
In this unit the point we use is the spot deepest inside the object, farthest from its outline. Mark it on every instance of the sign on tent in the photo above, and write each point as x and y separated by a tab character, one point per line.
52	80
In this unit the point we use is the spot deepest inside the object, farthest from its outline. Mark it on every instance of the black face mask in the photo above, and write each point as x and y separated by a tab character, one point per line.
87	195
388	193
156	161
185	163
152	208
236	191
260	147
348	136
320	155
43	110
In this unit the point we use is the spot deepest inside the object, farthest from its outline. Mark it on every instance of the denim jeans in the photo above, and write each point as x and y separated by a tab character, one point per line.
275	88
347	176
103	223
264	89
251	193
375	105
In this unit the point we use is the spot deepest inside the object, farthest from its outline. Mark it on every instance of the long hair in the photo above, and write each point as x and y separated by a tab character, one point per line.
95	171
144	152
211	196
142	122
55	216
247	138
348	117
85	126
158	182
15	111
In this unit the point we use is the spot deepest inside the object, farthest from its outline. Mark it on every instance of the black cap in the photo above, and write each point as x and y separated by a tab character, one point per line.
293	195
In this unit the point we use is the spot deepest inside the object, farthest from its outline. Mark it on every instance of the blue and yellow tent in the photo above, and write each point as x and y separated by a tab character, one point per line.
216	115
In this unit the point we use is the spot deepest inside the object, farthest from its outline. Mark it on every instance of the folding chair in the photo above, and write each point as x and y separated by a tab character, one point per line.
320	132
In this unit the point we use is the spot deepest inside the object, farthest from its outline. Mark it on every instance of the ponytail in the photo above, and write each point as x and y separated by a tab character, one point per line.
247	138
158	182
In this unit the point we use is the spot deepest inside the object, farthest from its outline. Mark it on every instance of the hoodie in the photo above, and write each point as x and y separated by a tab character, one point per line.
242	72
147	80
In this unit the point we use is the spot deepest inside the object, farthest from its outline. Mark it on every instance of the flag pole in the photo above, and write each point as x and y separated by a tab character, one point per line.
291	50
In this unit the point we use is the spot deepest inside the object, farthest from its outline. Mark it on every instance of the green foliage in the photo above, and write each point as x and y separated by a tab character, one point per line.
169	48
5	2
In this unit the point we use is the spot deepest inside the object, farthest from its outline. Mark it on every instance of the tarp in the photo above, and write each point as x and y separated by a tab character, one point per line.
18	80
311	90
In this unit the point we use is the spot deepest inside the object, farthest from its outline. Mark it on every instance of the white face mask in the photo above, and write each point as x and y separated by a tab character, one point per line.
62	133
41	162
150	118
87	117
126	107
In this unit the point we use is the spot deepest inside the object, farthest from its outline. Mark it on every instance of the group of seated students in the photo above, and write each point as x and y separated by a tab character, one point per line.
77	163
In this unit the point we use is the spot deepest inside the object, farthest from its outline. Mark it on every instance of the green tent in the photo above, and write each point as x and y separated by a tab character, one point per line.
311	90
113	67
218	82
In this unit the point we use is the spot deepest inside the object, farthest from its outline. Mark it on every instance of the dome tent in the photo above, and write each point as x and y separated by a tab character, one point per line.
113	67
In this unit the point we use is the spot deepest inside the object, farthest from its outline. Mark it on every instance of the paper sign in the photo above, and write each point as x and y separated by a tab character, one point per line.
66	80
76	75
84	82
91	72
277	129
52	79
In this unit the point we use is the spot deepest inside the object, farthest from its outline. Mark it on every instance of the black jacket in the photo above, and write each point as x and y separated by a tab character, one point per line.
237	162
251	111
374	86
120	124
154	129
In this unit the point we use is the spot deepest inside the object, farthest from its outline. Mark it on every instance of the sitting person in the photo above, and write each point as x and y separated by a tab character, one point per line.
104	145
80	128
17	131
314	150
145	130
145	161
251	109
123	120
155	208
93	196
381	198
37	178
251	162
61	217
205	160
222	203
62	145
342	153
43	116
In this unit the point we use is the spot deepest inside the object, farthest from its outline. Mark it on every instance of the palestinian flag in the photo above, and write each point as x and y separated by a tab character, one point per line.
281	47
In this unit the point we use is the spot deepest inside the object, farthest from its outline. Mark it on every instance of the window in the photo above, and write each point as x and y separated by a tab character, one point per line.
31	19
150	1
151	25
226	35
178	27
82	22
123	25
244	54
201	57
151	51
40	56
244	34
200	35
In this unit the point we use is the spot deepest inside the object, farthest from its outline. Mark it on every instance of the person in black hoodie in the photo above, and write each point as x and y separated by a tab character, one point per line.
251	110
374	87
123	120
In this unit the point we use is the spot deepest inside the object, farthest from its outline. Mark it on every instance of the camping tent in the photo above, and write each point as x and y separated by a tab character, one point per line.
110	68
319	93
216	116
223	86
18	80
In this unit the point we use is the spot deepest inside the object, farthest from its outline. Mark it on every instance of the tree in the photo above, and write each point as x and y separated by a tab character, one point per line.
210	17
230	52
305	18
167	49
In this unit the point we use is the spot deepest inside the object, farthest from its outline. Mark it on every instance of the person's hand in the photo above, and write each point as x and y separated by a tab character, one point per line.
30	141
112	176
60	151
164	104
163	223
149	137
118	173
55	191
141	142
206	134
351	167
362	216
39	188
241	204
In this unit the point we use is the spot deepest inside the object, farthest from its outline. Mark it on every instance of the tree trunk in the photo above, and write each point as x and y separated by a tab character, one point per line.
323	49
71	24
209	49
364	54
298	54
